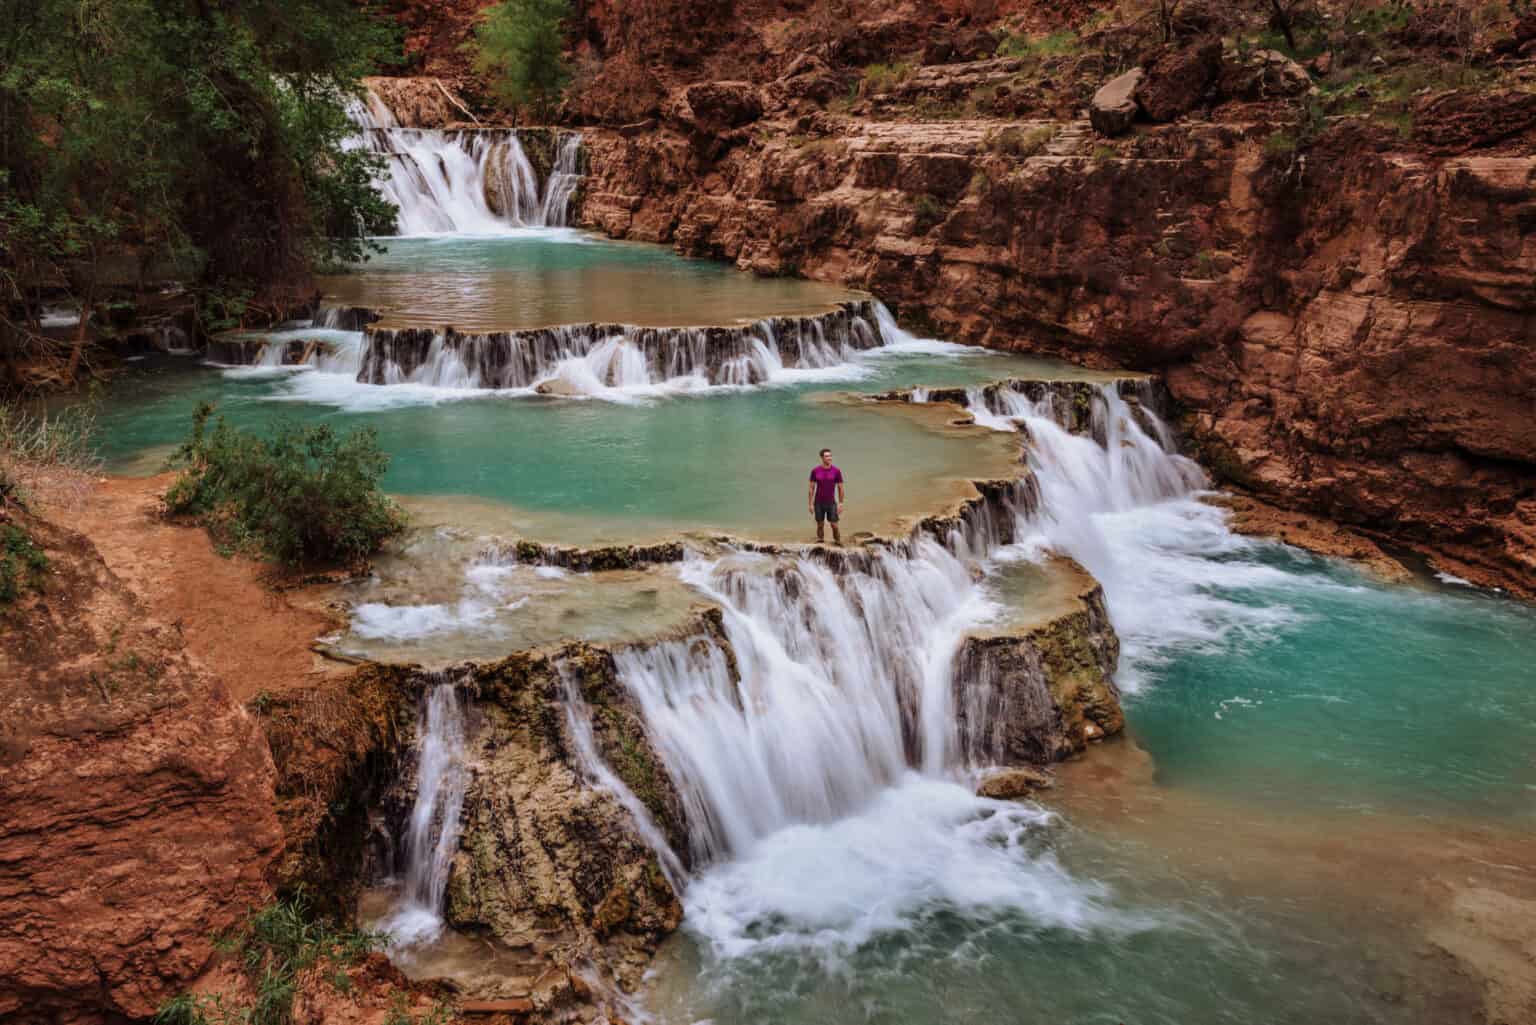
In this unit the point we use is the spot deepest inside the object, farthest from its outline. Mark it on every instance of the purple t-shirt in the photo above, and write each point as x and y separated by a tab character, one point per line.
827	479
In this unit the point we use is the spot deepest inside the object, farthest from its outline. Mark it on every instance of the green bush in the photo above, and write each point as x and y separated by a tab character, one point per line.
519	47
880	78
22	563
301	495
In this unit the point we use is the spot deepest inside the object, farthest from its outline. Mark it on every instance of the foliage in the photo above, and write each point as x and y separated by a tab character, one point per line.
927	212
1057	44
300	495
272	947
207	138
519	47
881	78
34	445
22	562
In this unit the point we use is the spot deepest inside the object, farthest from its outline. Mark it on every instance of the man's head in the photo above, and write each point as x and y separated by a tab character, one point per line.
826	457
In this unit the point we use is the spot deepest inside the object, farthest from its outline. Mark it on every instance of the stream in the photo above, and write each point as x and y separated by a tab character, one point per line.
1323	809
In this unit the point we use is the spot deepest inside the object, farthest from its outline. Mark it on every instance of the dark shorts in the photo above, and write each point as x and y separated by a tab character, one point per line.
826	511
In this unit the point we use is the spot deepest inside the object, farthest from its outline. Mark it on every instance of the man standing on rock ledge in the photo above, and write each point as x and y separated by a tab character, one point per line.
825	496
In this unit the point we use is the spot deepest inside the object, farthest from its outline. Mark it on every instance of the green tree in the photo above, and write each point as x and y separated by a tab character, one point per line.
205	137
519	46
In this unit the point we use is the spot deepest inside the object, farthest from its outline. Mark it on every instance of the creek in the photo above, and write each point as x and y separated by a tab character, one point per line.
1325	803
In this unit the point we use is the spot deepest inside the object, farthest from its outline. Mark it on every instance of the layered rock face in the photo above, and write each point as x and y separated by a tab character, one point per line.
1349	330
136	802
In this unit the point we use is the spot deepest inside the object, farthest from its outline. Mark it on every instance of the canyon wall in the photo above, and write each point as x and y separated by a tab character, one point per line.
1332	267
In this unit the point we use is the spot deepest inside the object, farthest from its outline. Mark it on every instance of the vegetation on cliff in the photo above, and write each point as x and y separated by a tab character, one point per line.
301	495
197	142
519	49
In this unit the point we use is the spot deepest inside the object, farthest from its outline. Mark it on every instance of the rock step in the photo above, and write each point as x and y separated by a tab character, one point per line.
520	1007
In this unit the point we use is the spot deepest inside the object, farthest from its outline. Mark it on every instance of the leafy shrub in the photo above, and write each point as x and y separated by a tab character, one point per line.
927	212
519	48
22	562
882	78
300	495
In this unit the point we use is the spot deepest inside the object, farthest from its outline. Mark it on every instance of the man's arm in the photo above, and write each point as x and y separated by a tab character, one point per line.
841	495
810	495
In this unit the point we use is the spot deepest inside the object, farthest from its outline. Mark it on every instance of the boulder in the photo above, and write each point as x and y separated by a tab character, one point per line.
1113	108
1262	75
808	77
1015	783
1178	80
719	106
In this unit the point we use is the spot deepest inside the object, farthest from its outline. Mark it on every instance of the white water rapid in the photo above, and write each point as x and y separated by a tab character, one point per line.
464	181
432	834
825	780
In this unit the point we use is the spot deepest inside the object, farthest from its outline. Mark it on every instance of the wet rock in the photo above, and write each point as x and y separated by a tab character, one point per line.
1040	695
1113	108
1262	75
1013	784
1179	80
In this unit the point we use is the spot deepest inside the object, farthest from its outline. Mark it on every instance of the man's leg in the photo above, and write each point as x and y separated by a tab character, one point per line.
821	515
832	517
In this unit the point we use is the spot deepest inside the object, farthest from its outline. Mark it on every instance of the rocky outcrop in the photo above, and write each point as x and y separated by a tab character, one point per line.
1346	332
138	816
1041	694
1113	108
551	863
1179	79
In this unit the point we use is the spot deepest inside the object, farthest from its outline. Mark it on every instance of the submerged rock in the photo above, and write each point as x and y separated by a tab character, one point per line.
1012	784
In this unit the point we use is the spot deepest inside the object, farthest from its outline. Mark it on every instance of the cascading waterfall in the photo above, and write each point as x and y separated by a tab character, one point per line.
600	359
464	181
842	682
432	835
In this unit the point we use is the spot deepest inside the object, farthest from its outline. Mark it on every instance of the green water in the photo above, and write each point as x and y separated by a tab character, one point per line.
542	277
579	471
1409	701
1302	826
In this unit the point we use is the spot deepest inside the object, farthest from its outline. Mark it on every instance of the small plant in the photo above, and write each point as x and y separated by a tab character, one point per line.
23	564
1103	153
300	495
927	212
882	78
1016	142
272	947
1057	44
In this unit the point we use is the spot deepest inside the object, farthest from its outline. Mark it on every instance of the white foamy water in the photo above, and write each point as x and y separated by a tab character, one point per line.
920	847
432	835
571	363
469	181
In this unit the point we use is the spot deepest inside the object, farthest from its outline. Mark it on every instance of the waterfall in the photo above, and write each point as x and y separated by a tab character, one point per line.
432	835
600	359
469	180
578	718
840	677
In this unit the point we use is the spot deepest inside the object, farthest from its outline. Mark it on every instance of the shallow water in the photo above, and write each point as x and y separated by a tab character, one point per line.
1328	781
542	277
